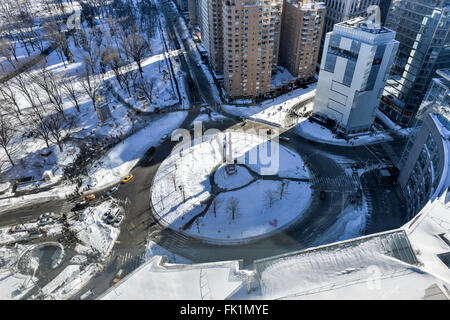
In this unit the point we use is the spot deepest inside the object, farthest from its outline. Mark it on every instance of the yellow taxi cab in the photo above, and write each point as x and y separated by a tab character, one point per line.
127	178
89	197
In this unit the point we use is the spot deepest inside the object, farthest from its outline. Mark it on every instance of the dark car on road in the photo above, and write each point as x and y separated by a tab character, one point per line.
322	195
80	205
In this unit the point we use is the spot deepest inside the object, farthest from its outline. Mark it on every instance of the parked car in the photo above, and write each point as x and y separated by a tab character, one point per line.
17	228
48	215
322	195
150	151
165	138
127	178
80	205
111	191
89	197
118	276
45	221
106	215
117	221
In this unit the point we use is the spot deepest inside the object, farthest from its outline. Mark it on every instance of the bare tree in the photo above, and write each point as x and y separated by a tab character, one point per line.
233	205
146	87
111	57
215	205
8	51
11	98
270	197
21	83
57	36
91	84
7	135
47	81
38	119
68	85
283	187
58	127
136	47
173	177
129	76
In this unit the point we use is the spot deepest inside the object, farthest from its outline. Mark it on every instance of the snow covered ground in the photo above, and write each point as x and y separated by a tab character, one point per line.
69	282
278	111
119	161
315	132
92	230
11	283
153	249
238	179
350	223
254	215
182	187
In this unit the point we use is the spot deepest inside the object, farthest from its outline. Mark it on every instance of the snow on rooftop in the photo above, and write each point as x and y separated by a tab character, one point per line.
159	280
365	268
427	233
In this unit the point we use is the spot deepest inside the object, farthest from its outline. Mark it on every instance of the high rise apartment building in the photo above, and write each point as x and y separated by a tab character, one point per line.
422	28
210	21
251	35
301	32
342	10
355	65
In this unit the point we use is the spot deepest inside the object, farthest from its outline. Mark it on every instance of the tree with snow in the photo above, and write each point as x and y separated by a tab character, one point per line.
7	135
270	197
233	205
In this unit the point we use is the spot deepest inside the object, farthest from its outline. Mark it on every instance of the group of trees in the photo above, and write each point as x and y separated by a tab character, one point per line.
25	25
44	116
33	103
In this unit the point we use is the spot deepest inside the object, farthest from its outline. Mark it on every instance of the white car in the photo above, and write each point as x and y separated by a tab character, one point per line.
45	221
118	221
284	138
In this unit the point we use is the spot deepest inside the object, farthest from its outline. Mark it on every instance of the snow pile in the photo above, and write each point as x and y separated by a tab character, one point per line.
93	232
72	279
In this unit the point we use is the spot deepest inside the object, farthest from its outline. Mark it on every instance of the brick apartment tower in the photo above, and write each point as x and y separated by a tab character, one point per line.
251	34
301	32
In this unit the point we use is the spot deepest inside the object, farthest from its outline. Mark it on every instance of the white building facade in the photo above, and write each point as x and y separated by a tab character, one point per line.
355	65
